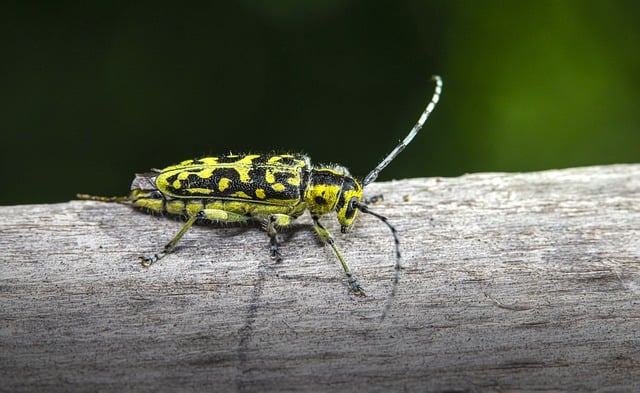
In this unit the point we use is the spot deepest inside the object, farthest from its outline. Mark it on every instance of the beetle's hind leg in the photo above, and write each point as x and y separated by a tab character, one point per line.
148	260
215	215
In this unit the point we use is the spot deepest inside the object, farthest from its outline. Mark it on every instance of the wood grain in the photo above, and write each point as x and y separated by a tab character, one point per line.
511	282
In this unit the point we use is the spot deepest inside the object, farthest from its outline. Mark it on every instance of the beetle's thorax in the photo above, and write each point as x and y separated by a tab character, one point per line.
331	189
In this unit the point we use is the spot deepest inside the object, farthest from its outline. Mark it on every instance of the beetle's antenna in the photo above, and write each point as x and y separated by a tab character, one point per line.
365	209
373	175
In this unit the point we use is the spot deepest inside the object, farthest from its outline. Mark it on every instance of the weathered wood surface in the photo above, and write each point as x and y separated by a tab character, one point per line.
511	282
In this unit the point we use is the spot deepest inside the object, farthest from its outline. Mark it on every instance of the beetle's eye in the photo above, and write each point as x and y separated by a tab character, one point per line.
351	209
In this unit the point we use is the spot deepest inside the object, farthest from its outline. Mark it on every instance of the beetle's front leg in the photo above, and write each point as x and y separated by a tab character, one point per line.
327	237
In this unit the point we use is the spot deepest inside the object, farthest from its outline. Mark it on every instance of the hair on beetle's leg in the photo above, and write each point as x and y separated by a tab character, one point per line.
326	237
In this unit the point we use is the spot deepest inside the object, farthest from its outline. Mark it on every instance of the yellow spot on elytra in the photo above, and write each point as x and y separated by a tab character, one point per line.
177	184
247	160
260	193
243	165
224	184
289	202
275	159
270	177
198	190
209	160
278	187
241	194
206	173
294	181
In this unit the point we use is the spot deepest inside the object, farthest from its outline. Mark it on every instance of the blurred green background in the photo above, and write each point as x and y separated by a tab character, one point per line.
92	92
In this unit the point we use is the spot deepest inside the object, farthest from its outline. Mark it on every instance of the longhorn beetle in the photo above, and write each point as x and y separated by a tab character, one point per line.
269	188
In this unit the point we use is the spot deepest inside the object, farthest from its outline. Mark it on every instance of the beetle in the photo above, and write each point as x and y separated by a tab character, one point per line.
272	189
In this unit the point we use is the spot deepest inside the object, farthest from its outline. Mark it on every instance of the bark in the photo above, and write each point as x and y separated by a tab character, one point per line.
510	282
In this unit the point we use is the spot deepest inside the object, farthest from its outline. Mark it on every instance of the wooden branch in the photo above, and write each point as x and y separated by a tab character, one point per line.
511	282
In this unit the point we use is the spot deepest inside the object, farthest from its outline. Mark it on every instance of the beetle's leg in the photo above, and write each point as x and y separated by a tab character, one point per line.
326	237
205	214
275	221
150	260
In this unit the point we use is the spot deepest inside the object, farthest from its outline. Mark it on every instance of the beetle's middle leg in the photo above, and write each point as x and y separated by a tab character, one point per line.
275	221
